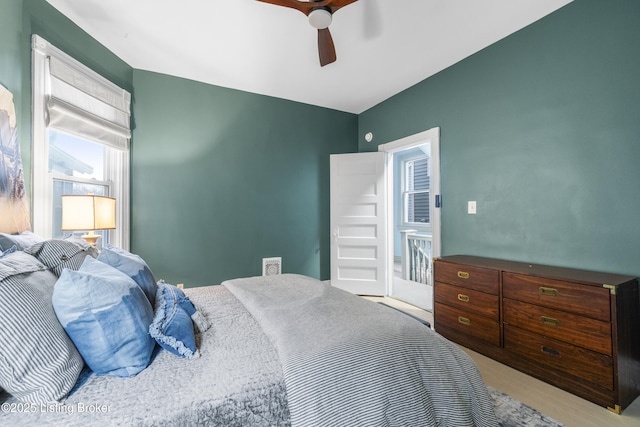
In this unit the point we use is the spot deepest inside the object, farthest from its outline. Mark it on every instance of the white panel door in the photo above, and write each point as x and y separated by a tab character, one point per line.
358	223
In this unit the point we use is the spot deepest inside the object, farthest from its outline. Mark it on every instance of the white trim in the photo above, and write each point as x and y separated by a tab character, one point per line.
118	160
411	141
41	200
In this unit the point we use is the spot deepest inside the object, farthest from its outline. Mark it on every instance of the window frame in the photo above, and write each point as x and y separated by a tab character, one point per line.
404	193
117	162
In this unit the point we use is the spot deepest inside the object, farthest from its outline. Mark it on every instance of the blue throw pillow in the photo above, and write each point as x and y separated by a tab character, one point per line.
133	266
172	326
200	322
107	316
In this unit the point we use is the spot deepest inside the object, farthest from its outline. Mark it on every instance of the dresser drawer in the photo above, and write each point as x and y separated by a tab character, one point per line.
582	331
477	278
572	297
593	367
468	300
468	323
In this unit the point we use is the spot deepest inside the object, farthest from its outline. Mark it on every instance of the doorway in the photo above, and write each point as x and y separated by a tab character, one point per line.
413	192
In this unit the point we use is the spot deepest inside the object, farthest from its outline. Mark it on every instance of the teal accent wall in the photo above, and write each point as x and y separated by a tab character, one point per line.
223	178
542	129
10	52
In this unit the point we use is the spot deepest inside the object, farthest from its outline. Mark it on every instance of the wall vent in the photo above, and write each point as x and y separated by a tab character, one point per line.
271	266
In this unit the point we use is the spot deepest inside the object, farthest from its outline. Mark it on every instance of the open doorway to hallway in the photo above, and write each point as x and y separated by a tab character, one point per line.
413	178
412	232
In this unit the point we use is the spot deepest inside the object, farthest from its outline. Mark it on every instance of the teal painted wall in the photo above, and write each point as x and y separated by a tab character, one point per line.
542	129
10	52
223	178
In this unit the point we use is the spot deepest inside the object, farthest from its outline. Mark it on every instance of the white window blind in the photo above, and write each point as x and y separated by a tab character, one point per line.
87	106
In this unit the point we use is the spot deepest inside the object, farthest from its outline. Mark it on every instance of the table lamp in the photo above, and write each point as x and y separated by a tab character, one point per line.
88	212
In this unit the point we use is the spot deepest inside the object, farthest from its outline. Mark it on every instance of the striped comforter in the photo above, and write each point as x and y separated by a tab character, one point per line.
350	362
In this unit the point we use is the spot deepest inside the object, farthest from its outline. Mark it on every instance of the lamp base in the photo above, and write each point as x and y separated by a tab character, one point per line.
91	238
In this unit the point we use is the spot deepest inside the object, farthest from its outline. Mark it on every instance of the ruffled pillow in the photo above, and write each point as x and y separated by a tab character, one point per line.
173	322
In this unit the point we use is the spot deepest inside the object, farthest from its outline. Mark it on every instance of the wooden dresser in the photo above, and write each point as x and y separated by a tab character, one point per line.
578	330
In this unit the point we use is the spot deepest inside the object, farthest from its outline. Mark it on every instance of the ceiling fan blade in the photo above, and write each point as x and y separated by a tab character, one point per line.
311	8
307	6
294	4
337	4
326	49
332	5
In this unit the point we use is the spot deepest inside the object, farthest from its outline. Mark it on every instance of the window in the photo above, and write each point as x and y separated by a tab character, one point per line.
81	140
416	192
76	166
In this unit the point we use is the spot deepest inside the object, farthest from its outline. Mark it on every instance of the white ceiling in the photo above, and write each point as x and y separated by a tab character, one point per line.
383	46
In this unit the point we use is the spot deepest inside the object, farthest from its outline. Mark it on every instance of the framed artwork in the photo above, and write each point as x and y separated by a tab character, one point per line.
14	212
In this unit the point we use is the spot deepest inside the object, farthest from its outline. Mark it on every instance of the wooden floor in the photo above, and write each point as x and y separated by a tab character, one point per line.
564	407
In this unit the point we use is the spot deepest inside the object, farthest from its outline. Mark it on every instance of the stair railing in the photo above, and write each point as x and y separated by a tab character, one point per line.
416	256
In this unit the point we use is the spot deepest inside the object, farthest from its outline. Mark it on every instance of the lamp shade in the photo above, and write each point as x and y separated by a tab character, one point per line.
88	212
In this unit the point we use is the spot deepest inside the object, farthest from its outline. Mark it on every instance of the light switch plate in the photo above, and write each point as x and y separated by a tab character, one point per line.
471	207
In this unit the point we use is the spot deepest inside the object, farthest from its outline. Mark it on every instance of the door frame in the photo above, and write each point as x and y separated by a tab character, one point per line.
431	136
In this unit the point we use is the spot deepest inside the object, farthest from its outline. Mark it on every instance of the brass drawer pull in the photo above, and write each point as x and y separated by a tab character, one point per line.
550	292
463	298
463	274
464	320
550	351
549	321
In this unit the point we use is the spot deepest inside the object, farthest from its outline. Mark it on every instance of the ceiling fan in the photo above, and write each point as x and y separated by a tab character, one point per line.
319	13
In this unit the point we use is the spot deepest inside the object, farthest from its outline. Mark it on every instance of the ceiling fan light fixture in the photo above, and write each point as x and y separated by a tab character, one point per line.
320	18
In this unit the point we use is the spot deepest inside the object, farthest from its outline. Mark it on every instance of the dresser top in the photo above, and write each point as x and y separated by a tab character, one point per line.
570	274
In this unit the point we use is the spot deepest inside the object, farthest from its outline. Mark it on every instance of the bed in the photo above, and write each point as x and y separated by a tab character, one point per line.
283	350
